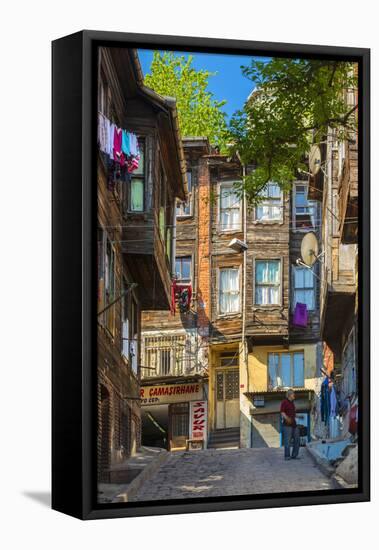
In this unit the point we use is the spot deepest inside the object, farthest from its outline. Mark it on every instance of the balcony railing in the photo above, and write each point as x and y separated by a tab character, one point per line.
169	356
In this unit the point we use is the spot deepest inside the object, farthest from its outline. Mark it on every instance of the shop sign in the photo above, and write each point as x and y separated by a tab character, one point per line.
198	420
170	393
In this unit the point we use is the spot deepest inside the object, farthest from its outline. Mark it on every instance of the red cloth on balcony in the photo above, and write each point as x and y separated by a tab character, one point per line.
182	294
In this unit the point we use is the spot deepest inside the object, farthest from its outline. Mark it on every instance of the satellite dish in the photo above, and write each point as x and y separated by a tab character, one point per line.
309	249
314	160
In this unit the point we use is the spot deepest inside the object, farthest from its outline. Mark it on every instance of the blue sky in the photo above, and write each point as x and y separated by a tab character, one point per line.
228	83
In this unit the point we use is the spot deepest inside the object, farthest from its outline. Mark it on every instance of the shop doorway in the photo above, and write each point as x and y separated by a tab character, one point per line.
179	425
227	399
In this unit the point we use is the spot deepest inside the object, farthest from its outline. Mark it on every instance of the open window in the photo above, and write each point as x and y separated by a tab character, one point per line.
304	210
184	209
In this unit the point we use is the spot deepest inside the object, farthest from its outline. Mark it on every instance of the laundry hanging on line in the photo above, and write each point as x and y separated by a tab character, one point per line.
120	145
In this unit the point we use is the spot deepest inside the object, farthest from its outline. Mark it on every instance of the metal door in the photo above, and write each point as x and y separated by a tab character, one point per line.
227	399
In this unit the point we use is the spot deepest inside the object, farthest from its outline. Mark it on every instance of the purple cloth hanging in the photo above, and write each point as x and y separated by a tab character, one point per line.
300	316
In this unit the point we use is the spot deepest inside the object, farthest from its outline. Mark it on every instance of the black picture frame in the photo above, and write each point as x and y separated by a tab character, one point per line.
73	272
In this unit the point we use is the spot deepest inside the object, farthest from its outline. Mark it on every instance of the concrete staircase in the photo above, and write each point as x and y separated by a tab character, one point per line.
228	438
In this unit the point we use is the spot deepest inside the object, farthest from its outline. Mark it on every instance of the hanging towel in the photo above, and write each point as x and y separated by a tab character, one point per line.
118	155
112	128
300	316
126	143
102	134
134	150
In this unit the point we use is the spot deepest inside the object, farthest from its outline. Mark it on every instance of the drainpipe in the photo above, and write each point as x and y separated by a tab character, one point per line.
244	283
244	354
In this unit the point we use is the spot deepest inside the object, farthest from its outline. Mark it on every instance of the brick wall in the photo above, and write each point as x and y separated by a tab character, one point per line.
204	252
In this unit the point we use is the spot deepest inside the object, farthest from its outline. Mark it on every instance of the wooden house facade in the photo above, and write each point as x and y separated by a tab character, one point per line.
136	219
173	373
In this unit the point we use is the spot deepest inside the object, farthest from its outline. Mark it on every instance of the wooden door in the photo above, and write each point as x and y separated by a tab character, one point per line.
227	399
179	425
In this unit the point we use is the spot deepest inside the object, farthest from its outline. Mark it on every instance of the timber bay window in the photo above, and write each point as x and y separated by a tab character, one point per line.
137	184
305	211
267	282
183	269
285	370
230	208
185	208
229	291
303	287
270	207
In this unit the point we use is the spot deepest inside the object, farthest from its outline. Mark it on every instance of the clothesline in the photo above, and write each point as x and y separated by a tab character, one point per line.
120	145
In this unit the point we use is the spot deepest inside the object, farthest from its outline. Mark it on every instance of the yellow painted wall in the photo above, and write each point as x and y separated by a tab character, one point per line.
258	361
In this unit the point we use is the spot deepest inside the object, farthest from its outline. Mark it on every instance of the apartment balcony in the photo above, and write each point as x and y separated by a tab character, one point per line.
348	197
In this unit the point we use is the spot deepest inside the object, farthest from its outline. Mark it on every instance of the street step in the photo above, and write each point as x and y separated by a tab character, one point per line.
224	439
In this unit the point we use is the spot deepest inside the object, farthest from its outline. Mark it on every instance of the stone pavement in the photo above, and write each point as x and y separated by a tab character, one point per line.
232	472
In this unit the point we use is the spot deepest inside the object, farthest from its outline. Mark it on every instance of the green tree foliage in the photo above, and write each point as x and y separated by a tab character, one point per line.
295	103
200	114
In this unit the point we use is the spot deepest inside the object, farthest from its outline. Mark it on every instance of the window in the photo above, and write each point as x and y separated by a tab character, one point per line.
185	208
271	205
183	269
229	293
106	279
229	359
130	333
285	370
230	208
305	211
137	184
109	285
267	282
303	287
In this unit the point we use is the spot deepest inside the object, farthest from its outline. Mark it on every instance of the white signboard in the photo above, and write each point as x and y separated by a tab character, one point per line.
170	393
198	420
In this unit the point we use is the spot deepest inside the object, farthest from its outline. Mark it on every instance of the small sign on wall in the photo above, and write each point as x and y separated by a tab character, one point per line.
198	420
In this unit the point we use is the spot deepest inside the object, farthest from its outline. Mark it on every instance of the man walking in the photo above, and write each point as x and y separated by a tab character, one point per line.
290	429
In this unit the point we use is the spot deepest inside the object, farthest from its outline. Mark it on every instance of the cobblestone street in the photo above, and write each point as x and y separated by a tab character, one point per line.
232	472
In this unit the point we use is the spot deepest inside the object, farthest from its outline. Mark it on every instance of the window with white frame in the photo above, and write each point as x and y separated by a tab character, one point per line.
303	287
229	290
270	207
185	208
305	211
285	370
230	208
267	282
183	269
